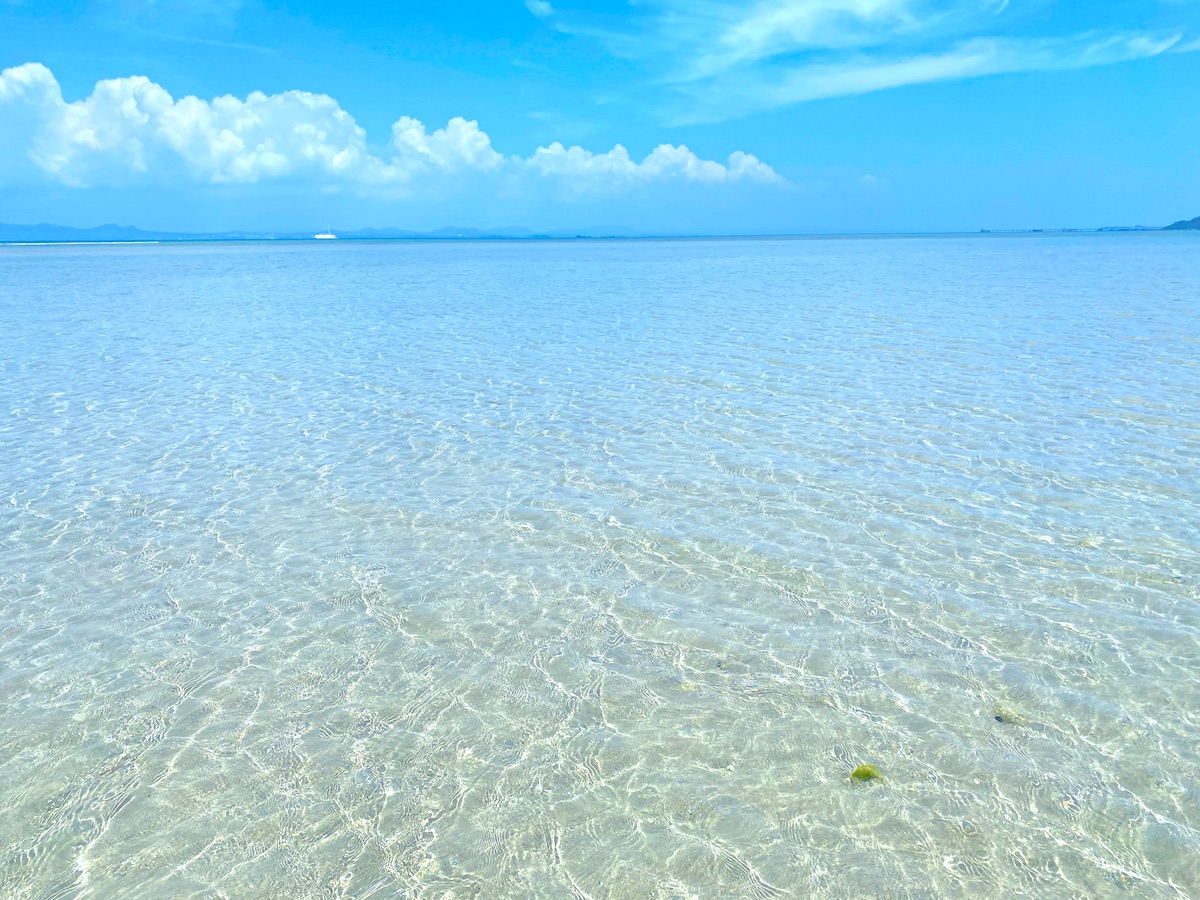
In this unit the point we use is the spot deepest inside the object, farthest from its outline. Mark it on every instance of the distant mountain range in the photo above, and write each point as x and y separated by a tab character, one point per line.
46	234
58	234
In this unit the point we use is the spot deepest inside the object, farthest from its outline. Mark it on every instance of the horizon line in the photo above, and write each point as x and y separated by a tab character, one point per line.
167	237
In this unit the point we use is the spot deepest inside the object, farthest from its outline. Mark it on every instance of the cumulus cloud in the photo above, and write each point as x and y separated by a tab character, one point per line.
584	168
132	130
460	145
131	127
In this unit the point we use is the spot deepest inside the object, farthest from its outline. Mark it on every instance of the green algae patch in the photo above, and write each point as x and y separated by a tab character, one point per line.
866	772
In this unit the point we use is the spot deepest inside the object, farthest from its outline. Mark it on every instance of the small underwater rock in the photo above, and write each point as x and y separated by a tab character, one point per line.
865	772
1006	716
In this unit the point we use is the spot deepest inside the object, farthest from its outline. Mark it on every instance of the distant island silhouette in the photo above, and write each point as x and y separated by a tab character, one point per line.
121	234
45	233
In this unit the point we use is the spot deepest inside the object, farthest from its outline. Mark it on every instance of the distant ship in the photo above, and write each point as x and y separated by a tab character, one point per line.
325	236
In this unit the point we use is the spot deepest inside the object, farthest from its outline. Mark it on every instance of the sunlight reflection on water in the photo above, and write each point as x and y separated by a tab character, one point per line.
593	569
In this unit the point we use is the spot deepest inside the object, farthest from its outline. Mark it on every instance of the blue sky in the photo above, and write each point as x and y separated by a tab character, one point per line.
702	116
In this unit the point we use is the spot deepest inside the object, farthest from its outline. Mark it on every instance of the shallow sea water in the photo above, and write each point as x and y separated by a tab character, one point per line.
593	569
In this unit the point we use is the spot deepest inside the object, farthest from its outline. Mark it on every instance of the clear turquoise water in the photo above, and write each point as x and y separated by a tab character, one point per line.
593	569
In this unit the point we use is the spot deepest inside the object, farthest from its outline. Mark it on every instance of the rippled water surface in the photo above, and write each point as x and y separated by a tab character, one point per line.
593	569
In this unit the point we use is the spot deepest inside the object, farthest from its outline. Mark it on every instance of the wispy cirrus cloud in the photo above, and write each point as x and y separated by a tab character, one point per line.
763	89
718	59
730	36
132	131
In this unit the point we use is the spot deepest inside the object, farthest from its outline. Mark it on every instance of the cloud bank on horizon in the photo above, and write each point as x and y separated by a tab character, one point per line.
131	130
723	59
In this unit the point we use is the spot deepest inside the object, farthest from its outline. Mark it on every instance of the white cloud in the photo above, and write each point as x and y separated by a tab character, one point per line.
746	165
128	124
132	130
727	58
540	8
696	39
26	94
460	145
586	169
776	27
32	82
781	86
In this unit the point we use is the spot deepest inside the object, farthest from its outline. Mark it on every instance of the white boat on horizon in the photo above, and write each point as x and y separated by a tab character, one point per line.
325	236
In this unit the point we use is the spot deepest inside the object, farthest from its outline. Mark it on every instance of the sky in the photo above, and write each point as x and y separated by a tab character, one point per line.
660	116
